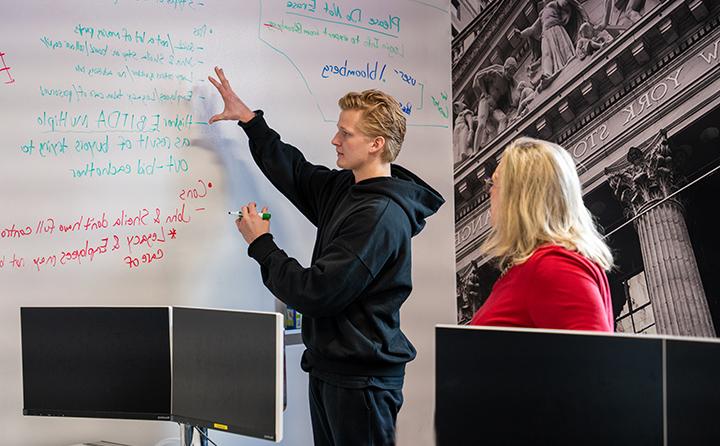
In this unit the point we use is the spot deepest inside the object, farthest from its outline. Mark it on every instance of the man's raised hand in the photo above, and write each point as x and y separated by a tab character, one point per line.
235	108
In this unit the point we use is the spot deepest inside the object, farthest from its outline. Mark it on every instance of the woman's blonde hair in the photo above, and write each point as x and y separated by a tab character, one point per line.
381	116
540	202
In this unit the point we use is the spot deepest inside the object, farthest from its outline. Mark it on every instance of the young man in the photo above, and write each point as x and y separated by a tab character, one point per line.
360	275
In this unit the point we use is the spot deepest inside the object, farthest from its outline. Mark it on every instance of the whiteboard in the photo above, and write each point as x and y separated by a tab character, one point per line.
116	190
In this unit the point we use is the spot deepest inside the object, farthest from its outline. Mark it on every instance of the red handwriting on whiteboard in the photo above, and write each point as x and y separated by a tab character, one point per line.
148	257
141	240
5	69
15	262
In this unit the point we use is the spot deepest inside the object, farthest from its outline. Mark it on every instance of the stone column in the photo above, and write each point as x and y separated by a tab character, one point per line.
674	285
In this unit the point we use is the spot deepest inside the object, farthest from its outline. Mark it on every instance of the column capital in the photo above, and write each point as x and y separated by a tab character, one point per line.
645	176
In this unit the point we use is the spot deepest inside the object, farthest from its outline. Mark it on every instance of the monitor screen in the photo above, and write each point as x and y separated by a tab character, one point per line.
96	362
228	371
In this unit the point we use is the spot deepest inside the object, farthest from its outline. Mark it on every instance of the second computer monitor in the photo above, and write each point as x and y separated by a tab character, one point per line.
228	371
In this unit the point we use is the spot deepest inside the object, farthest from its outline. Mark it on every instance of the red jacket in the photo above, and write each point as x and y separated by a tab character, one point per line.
556	289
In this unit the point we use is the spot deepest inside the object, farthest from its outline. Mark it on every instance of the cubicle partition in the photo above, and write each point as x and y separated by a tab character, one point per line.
556	387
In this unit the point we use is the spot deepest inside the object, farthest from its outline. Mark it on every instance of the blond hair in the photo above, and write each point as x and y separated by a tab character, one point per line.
540	202
381	116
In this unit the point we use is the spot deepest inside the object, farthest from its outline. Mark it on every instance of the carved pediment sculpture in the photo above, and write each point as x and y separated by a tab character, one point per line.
557	29
589	41
627	12
463	131
495	88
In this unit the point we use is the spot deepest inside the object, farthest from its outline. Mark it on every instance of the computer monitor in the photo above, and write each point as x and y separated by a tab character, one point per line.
98	362
228	371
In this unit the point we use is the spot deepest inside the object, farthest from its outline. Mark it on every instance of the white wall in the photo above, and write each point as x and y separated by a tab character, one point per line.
48	48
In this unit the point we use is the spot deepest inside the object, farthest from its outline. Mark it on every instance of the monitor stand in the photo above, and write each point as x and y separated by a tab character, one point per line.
186	435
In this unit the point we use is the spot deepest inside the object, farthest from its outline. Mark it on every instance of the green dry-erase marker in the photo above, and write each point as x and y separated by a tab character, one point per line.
263	215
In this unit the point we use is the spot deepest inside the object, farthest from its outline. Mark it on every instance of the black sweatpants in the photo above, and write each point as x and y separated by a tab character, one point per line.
346	417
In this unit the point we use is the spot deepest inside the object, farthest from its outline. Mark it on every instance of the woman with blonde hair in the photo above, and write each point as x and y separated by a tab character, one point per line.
544	241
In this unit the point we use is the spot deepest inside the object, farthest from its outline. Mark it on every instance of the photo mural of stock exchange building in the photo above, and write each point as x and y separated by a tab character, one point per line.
631	89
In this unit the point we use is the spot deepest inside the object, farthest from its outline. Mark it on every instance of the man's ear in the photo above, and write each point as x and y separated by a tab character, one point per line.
378	144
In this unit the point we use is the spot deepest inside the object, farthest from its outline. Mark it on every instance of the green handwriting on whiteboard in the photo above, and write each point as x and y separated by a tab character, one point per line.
301	30
78	93
441	104
170	5
331	12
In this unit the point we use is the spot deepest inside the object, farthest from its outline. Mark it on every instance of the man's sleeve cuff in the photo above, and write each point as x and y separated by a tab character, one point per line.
261	247
256	126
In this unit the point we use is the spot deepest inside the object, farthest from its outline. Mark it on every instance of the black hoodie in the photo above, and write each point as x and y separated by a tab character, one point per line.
360	275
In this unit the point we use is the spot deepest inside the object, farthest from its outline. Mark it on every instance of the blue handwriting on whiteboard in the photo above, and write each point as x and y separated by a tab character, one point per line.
406	108
406	77
372	72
